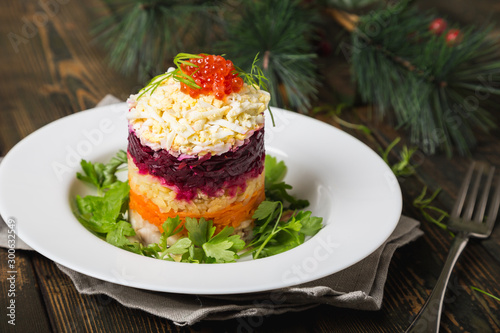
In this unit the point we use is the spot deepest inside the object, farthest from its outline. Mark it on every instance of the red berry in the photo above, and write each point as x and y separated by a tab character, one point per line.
438	26
453	37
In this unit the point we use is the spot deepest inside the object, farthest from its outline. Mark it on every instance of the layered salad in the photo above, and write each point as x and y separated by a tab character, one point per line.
196	148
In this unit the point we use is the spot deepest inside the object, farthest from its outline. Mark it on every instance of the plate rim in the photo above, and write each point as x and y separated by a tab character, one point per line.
123	253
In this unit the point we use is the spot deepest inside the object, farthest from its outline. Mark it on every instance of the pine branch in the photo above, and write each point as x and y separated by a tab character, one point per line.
142	35
280	32
431	85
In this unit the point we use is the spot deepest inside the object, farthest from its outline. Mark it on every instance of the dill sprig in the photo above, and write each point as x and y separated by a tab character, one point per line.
424	205
335	113
254	78
486	293
404	167
257	78
177	74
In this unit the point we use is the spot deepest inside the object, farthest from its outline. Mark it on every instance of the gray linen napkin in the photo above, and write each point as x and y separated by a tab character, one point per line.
360	286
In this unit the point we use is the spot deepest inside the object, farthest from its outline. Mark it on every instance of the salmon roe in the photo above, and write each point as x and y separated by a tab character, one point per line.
214	74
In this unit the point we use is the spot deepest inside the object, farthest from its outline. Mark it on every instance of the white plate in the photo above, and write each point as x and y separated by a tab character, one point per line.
344	180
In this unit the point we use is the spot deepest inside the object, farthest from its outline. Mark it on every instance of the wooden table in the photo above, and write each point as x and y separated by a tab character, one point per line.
57	72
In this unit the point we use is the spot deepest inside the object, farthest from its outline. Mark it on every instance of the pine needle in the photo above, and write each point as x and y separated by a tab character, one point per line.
432	87
280	32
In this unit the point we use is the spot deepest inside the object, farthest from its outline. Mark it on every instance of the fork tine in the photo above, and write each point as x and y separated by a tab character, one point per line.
493	211
459	203
479	215
473	195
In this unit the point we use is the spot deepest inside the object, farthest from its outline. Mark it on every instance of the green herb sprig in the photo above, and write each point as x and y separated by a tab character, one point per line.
276	189
335	113
486	293
257	78
404	167
253	78
278	227
177	74
274	235
424	205
102	175
200	246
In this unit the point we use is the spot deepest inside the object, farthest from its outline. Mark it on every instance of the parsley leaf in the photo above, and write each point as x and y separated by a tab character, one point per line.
100	175
199	231
310	224
277	229
275	188
274	234
118	236
100	213
180	247
220	251
275	171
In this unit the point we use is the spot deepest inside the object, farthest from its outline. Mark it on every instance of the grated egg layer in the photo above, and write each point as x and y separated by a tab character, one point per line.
172	120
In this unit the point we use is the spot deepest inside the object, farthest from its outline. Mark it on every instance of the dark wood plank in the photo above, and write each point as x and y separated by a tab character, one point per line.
70	311
27	313
59	72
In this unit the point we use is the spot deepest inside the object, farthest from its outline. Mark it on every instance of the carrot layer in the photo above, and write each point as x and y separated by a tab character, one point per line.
233	215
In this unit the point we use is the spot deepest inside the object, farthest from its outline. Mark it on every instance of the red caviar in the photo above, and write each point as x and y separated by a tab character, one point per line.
214	74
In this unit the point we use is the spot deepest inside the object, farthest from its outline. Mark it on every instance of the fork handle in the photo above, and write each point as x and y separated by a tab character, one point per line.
427	320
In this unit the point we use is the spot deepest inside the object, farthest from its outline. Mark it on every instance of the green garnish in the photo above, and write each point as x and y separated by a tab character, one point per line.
276	188
177	74
257	78
200	246
254	78
428	211
402	168
278	227
486	293
272	234
102	175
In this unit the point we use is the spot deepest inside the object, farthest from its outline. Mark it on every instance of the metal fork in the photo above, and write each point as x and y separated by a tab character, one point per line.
465	225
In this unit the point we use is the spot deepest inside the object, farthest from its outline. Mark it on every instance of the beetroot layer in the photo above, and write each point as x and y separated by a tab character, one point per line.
213	175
